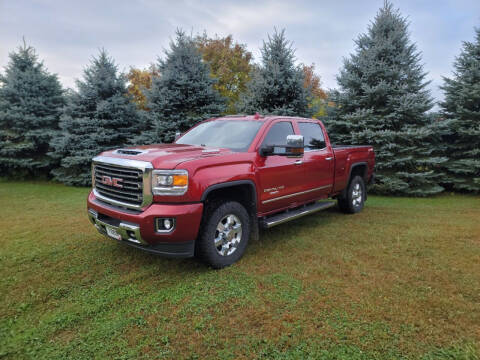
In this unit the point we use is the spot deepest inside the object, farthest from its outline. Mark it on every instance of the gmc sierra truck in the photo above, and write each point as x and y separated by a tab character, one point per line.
210	191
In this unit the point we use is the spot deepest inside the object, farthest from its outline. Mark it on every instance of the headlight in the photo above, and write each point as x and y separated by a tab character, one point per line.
169	182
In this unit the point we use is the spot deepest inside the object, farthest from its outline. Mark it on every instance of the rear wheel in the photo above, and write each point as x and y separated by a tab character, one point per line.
354	198
224	234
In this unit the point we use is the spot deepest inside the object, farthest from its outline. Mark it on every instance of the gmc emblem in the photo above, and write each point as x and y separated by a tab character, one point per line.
107	180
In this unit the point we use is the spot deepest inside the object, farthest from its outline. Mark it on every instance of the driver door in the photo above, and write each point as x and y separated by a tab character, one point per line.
280	177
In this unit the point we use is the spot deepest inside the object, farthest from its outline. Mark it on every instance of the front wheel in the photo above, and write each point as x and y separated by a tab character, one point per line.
354	199
224	234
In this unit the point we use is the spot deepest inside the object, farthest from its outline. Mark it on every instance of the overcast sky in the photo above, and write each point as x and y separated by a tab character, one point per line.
67	33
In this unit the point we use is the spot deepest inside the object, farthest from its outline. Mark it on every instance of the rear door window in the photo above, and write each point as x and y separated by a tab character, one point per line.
313	135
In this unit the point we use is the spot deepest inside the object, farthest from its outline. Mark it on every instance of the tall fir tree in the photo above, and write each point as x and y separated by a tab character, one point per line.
461	109
31	101
277	84
383	101
181	94
99	116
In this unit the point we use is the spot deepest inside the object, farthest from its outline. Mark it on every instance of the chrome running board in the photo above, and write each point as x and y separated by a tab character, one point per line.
293	214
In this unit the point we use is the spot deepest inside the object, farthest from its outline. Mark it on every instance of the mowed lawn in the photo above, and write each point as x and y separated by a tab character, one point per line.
400	280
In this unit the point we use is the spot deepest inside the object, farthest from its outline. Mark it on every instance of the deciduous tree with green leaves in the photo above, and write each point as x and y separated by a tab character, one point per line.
31	101
99	116
383	101
461	110
277	85
182	94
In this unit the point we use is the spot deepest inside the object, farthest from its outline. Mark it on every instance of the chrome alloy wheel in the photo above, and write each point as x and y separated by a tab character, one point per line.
357	195
228	235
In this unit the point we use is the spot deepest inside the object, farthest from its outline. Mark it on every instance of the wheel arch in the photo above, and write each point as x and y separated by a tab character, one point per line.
243	191
359	168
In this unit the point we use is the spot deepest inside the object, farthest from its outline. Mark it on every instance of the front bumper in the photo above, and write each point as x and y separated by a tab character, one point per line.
137	228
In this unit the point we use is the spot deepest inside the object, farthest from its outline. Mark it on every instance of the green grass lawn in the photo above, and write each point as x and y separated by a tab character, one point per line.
400	280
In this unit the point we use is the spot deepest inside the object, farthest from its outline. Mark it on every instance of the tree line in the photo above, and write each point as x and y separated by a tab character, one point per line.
381	99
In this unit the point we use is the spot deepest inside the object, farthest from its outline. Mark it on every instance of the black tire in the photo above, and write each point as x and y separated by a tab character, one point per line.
353	200
230	213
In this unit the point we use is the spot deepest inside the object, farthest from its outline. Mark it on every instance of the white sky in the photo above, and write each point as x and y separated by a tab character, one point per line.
67	33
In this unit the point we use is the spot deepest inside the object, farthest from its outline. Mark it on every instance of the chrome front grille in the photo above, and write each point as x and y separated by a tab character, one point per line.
122	182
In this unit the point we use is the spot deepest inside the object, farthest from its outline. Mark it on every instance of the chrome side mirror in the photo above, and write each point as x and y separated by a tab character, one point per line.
295	145
295	141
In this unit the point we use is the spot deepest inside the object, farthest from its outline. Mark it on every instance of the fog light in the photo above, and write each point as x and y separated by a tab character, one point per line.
164	224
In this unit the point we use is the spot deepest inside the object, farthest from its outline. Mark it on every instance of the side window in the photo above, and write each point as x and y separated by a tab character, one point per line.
313	135
277	135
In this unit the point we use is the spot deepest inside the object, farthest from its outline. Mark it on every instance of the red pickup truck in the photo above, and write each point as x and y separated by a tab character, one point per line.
211	190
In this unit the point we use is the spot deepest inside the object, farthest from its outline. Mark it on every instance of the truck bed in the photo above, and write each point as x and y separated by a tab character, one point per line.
348	155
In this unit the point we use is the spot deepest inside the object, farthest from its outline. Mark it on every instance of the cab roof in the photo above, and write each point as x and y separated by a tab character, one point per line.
258	117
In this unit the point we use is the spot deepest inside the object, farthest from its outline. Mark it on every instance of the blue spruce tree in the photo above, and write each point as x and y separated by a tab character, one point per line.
461	109
99	116
383	101
277	84
31	101
181	94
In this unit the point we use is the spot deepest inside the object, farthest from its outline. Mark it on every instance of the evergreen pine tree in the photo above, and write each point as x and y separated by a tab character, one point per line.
461	108
31	101
277	85
99	116
181	94
382	101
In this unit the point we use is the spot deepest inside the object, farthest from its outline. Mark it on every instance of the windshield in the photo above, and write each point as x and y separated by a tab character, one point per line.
235	135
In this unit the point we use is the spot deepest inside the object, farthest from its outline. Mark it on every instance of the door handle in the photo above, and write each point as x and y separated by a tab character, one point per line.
329	158
298	162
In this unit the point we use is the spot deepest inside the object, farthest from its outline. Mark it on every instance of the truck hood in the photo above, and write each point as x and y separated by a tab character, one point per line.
165	156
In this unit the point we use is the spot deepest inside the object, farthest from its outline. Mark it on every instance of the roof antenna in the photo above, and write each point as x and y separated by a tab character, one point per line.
257	116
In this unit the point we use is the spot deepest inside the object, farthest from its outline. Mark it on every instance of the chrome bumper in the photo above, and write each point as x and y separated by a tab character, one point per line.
128	231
